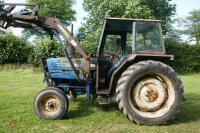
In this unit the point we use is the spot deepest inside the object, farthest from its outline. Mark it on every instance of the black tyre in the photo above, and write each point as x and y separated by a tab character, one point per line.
149	93
51	104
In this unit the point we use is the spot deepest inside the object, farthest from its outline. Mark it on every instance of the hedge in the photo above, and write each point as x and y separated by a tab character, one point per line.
13	49
186	57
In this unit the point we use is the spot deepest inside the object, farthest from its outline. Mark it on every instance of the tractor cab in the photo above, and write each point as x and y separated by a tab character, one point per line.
122	38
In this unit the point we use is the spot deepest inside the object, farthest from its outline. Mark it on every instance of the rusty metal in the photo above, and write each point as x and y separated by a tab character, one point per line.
130	19
149	94
150	54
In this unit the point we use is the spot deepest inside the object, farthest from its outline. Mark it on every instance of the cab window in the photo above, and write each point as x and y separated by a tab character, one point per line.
147	37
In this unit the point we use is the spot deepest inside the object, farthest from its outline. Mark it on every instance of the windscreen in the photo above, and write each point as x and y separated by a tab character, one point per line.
148	37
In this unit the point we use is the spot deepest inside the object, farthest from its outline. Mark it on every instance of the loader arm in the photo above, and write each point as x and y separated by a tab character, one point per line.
33	21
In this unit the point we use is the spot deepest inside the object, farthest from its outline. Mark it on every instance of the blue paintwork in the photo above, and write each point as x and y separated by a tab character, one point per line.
88	90
57	70
63	75
62	72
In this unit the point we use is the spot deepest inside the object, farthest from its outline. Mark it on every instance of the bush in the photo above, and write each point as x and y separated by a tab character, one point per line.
187	57
13	49
44	49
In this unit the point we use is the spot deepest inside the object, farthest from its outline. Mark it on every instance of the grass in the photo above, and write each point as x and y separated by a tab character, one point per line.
18	90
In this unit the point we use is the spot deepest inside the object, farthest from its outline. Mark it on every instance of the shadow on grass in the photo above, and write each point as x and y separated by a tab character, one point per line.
83	108
109	107
190	110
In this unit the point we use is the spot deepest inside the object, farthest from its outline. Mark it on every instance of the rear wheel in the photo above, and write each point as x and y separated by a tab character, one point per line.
150	93
51	104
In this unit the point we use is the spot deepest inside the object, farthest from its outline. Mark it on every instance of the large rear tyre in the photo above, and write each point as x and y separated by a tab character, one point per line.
149	93
51	104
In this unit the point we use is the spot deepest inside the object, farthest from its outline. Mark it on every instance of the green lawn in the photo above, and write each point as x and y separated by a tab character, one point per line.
18	90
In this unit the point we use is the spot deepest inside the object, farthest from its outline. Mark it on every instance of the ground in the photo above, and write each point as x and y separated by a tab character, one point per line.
18	90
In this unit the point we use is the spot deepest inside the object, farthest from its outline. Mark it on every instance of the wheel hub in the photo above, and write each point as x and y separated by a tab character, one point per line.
149	94
50	105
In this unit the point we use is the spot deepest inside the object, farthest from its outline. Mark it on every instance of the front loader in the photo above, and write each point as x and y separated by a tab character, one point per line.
129	68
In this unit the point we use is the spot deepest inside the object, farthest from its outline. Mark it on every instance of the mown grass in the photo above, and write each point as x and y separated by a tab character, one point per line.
18	90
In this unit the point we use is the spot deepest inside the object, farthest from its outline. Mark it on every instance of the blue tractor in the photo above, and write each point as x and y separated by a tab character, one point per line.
129	68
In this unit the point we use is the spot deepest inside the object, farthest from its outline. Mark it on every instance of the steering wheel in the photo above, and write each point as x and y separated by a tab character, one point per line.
112	57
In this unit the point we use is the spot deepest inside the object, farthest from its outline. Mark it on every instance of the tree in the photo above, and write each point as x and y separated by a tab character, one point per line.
61	9
142	9
152	9
173	32
193	24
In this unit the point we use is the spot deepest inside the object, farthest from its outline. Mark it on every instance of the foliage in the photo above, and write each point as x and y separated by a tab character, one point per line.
124	8
187	57
173	31
61	9
44	49
90	43
189	27
13	49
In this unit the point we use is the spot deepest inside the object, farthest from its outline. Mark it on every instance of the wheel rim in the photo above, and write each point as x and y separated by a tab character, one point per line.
149	94
152	95
50	105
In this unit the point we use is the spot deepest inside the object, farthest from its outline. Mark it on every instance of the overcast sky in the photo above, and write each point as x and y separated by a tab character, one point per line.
183	8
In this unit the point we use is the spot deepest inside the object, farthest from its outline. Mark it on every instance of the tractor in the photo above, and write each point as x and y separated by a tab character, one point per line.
129	68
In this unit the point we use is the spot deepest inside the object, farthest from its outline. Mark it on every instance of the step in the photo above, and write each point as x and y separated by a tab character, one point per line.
103	92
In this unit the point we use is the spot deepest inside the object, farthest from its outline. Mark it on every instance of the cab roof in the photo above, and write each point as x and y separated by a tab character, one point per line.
131	19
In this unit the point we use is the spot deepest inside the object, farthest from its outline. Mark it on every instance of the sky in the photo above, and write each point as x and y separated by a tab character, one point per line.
185	6
182	9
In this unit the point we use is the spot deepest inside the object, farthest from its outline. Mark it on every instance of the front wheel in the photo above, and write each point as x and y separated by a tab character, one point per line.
150	93
51	104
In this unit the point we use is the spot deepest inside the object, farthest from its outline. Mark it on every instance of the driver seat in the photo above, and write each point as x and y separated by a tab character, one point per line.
114	67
